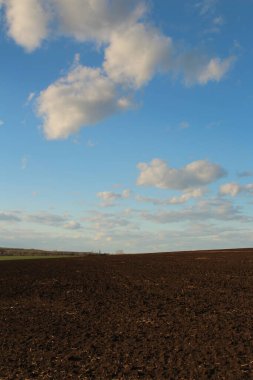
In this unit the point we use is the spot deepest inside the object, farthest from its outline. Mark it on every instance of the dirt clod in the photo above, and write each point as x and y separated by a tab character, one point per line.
158	316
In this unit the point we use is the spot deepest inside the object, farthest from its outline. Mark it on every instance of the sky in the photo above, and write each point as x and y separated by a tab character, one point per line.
126	125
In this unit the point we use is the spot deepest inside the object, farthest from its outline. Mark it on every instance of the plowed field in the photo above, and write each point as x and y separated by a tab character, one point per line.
158	316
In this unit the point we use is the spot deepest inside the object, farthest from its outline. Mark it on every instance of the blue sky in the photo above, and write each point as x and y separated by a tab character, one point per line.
126	125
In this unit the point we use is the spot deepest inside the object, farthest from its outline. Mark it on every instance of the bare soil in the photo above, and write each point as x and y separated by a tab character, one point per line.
179	316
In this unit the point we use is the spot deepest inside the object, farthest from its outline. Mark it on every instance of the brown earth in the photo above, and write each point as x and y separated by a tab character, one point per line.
158	316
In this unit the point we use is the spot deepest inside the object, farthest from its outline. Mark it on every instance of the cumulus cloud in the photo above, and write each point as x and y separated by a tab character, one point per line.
83	97
87	20
233	189
195	174
135	54
27	22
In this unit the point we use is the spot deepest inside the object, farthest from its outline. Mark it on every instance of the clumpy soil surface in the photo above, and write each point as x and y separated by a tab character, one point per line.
157	316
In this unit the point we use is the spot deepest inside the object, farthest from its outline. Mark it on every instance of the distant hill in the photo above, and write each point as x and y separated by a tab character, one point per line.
37	252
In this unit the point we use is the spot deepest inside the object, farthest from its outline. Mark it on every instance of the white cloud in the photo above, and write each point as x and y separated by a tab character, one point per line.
49	219
215	69
109	221
84	20
125	103
87	20
1	123
205	210
72	225
233	189
197	69
183	198
133	51
230	189
27	22
46	218
135	54
197	173
43	218
83	97
109	197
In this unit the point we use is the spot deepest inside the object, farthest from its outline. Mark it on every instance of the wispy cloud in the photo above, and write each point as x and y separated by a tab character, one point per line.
205	210
218	21
199	69
108	222
72	225
9	217
206	6
91	144
245	173
184	125
24	162
43	218
109	197
30	97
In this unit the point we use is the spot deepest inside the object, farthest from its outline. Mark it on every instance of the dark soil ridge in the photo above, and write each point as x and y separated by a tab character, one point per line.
159	316
37	252
40	252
